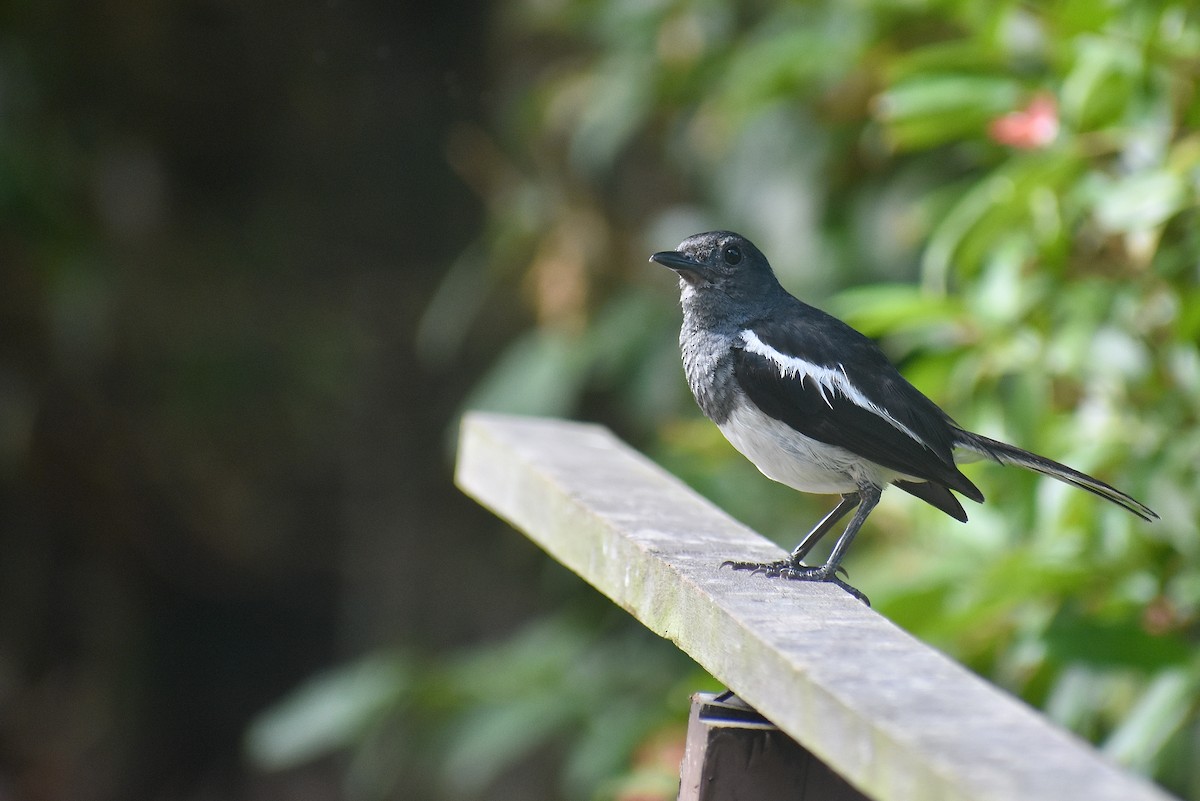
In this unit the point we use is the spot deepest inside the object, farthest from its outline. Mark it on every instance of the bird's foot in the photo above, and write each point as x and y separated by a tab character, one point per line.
797	571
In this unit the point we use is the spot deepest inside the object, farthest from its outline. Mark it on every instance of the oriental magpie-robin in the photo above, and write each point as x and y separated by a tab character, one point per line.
816	405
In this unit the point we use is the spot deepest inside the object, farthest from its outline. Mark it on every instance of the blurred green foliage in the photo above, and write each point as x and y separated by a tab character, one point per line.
1004	193
583	686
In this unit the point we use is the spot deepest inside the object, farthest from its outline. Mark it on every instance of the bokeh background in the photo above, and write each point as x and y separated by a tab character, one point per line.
257	257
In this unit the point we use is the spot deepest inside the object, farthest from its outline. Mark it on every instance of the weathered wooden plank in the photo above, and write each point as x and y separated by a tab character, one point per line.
897	719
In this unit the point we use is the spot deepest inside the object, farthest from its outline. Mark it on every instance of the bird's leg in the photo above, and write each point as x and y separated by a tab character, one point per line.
848	502
796	560
866	498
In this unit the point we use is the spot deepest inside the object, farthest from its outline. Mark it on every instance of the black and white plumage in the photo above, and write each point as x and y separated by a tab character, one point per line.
817	406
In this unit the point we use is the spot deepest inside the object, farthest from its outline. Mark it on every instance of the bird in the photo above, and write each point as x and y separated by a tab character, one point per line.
817	406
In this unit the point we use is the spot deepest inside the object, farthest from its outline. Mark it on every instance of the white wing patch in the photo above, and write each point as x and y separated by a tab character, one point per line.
828	381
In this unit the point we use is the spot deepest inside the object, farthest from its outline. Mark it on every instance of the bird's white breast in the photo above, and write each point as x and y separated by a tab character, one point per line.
800	462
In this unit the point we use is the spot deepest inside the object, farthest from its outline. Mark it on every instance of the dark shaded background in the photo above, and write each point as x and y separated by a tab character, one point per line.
255	258
220	223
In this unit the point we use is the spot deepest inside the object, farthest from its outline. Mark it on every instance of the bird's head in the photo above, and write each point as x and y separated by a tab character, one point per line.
721	268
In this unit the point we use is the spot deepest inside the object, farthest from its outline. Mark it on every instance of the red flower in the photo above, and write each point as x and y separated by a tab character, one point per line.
1032	127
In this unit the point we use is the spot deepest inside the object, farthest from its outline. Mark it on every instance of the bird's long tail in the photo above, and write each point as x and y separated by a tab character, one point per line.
1004	453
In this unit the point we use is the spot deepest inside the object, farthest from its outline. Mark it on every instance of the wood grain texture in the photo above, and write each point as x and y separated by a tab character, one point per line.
896	718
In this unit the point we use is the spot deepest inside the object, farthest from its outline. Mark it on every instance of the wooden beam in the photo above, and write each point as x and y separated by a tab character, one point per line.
894	717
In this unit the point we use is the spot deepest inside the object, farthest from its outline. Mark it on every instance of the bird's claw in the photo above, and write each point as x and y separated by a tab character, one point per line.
797	571
785	567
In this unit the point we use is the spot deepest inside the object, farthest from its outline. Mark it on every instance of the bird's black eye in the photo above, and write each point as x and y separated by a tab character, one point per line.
732	255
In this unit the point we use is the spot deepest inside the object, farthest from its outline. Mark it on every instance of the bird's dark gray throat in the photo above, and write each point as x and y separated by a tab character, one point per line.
709	326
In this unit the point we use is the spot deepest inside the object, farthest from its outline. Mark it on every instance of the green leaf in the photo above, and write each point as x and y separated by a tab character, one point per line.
1097	89
1123	643
778	64
935	109
493	735
542	373
327	713
620	95
879	309
1139	201
1162	709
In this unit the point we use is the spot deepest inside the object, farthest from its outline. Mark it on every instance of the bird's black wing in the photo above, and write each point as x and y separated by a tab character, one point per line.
829	382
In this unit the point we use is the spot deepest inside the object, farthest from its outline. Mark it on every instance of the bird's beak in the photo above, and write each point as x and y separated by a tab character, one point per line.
688	268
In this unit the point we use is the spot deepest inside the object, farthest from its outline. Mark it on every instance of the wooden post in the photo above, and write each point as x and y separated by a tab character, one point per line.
735	754
897	719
